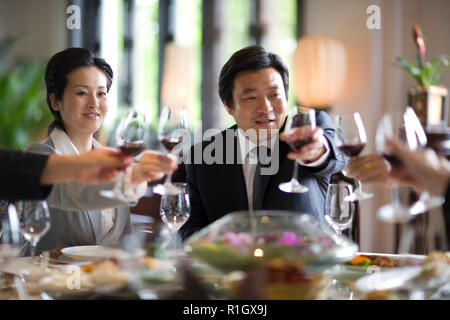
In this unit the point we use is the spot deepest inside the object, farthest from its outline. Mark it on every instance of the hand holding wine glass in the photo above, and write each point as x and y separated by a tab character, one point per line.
172	130
304	118
130	135
351	139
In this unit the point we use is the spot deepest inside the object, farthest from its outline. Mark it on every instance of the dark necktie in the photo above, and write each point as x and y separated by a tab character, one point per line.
263	154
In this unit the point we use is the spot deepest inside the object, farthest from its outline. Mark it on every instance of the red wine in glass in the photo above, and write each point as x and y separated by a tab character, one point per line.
352	150
300	120
132	148
170	142
393	160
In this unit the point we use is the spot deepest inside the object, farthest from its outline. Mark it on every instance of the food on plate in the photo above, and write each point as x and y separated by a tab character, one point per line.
378	260
89	276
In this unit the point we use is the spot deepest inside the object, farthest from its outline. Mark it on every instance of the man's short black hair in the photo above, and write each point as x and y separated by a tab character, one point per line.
251	58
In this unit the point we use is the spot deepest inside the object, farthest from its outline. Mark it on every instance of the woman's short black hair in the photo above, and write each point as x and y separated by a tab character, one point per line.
252	58
60	65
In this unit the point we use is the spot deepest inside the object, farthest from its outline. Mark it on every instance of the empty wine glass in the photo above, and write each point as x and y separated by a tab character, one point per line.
175	210
338	212
130	136
298	117
34	218
398	210
9	235
172	130
351	139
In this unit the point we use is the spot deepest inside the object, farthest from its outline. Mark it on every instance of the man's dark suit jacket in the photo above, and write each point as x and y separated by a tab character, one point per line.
20	173
217	189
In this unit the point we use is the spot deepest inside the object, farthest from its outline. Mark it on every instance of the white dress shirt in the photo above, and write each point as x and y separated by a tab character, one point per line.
64	146
250	160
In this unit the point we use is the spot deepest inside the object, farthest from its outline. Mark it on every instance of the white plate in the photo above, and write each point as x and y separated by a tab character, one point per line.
386	280
92	252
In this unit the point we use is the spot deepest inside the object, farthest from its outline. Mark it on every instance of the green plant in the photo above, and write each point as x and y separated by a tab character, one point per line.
426	73
23	111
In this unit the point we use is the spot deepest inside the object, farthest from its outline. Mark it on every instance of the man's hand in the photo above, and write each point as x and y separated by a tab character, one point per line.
309	152
153	166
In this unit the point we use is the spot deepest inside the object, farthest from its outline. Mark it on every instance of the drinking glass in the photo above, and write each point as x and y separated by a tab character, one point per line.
398	210
417	140
298	117
34	218
172	130
175	210
9	234
130	136
351	139
338	212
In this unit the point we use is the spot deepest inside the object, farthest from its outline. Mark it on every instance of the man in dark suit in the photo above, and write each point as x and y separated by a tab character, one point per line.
253	86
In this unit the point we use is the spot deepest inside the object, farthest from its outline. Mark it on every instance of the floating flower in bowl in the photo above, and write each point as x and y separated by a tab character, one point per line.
244	240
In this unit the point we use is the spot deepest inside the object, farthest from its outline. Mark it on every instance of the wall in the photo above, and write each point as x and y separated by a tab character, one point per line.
39	25
373	85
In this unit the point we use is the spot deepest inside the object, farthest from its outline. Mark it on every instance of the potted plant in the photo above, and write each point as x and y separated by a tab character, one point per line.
24	114
428	99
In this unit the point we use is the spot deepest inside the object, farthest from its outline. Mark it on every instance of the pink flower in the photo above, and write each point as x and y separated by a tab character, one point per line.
420	42
237	238
289	239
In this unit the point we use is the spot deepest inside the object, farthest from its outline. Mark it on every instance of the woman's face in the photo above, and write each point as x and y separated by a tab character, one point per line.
85	101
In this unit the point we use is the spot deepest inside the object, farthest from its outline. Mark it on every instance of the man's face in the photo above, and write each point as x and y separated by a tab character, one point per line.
259	101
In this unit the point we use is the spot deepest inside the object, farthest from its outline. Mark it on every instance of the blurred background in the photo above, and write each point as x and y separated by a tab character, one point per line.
132	35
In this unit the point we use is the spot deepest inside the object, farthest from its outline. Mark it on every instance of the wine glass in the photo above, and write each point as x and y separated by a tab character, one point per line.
351	139
9	234
175	210
172	130
396	211
34	218
298	117
130	136
416	140
338	212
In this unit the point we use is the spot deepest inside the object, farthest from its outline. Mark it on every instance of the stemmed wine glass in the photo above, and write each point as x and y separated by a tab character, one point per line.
338	212
9	234
417	139
172	130
130	136
34	218
298	117
396	211
351	139
175	210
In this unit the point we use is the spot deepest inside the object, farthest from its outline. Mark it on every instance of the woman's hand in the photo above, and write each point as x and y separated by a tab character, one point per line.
371	168
153	166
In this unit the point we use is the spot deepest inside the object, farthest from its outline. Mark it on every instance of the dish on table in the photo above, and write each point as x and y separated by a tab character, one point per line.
81	281
430	280
363	260
93	252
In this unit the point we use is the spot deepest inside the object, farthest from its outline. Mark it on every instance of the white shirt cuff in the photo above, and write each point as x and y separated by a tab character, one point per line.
322	159
133	193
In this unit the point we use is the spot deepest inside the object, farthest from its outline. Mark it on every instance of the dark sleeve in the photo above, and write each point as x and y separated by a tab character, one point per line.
20	175
198	218
337	161
447	213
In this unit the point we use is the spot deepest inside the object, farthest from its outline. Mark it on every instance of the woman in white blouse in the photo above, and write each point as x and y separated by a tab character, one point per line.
77	94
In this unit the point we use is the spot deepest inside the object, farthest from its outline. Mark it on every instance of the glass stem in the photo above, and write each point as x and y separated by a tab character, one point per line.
168	179
295	173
